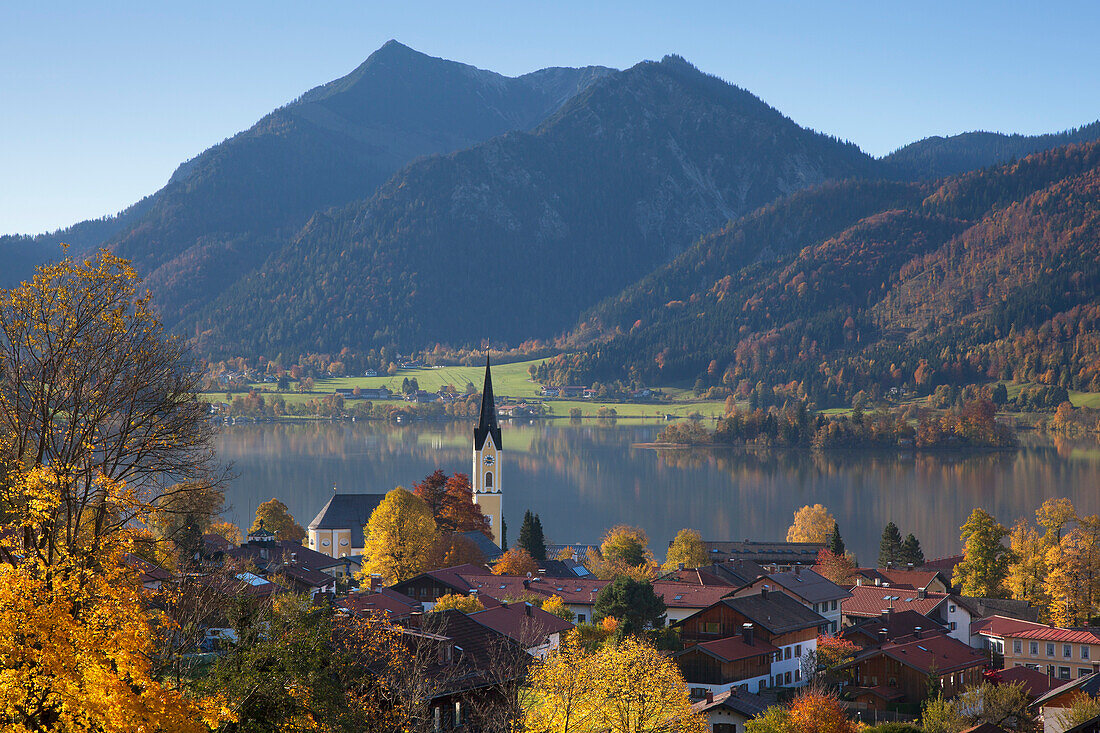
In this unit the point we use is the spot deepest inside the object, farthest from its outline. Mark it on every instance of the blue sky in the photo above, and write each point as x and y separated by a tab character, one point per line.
101	101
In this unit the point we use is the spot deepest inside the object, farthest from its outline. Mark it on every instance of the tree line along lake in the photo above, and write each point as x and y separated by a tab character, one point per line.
583	478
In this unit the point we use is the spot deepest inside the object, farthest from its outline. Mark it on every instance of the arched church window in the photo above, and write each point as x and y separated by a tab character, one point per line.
488	480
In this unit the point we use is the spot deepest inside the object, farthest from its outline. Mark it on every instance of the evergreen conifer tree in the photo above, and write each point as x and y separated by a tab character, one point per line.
835	543
911	551
889	550
531	537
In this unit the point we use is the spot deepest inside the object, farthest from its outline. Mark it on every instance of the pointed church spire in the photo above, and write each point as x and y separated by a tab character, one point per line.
487	424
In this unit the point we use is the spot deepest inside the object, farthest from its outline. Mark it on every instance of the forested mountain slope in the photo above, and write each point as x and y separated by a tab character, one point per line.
223	212
936	157
944	286
513	238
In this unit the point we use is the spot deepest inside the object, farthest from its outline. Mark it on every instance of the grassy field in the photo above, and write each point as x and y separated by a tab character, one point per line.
509	380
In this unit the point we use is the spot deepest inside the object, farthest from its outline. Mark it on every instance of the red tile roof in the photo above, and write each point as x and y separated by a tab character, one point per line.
868	601
907	579
527	624
389	603
1035	683
733	648
937	652
1001	626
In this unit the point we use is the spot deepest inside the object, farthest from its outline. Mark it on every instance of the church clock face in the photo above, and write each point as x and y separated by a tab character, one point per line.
489	460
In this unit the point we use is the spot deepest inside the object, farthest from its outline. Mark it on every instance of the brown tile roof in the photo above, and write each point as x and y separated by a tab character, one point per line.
896	624
695	576
907	579
386	602
869	601
1035	683
936	652
745	703
522	622
732	648
1002	626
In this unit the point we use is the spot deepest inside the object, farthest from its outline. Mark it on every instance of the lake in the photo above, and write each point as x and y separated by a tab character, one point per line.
583	478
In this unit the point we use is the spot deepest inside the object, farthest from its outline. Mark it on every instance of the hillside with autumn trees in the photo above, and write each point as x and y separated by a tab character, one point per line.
866	286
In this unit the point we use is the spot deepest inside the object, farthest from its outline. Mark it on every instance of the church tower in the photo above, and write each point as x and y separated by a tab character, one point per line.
487	455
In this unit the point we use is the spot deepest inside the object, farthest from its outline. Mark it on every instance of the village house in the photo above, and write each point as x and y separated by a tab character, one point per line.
869	601
532	628
897	672
817	593
735	662
337	530
1064	654
889	626
1053	704
769	617
727	712
931	581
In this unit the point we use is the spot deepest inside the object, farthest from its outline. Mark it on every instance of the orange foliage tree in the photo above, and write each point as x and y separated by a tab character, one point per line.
517	561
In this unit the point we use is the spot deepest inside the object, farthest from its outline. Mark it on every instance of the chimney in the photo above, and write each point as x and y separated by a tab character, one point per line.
747	634
504	604
710	696
798	569
526	609
916	631
889	564
878	581
882	633
473	593
679	566
764	592
526	583
888	612
922	593
910	566
859	581
293	557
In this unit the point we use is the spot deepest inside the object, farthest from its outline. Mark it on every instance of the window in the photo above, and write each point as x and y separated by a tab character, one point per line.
954	625
832	607
724	728
710	627
1033	647
437	719
580	618
952	609
832	627
1017	646
488	480
787	655
1050	649
1067	650
787	678
1083	671
458	713
797	675
1084	651
1063	673
798	650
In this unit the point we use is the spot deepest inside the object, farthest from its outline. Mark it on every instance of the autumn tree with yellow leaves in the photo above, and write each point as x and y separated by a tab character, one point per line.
400	538
687	548
627	687
811	524
101	428
517	561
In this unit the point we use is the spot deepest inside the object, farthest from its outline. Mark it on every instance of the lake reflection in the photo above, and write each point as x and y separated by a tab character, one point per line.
582	479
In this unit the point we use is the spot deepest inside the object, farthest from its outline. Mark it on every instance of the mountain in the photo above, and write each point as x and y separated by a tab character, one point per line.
937	157
224	211
993	274
514	237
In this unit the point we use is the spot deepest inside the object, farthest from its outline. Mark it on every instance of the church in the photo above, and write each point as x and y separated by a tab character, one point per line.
337	530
